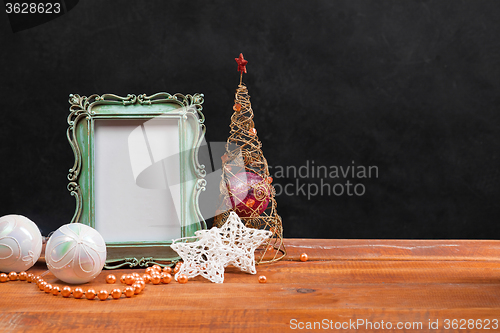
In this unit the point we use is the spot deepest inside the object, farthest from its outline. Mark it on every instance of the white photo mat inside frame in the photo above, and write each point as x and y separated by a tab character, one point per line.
136	179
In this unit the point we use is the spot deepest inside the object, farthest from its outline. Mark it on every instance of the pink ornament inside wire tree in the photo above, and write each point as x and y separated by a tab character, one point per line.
249	194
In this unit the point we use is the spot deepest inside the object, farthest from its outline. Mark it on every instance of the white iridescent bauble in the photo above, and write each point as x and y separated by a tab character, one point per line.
75	253
20	243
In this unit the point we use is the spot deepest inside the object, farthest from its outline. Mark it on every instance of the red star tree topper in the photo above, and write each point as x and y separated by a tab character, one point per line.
242	63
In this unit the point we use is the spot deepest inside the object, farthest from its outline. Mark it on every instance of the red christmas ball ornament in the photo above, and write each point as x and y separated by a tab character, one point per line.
249	194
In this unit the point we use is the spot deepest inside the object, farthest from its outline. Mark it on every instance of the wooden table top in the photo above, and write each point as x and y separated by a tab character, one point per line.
362	285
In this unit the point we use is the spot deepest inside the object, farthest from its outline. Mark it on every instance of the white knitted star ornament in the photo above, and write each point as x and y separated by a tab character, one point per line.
232	244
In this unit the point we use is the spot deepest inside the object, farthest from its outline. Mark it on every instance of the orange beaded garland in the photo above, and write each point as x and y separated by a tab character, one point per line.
55	290
155	278
304	257
129	279
103	295
262	279
110	279
90	294
182	278
138	283
237	107
66	291
142	283
47	288
116	293
137	288
166	278
129	292
78	293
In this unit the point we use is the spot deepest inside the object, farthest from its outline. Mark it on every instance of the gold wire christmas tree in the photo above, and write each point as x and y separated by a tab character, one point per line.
246	186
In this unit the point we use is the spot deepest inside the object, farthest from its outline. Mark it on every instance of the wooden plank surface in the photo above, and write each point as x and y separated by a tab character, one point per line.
355	283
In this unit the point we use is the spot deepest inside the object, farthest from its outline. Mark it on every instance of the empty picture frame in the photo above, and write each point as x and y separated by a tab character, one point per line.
136	177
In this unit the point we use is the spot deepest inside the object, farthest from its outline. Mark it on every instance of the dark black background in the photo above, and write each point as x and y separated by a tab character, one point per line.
411	87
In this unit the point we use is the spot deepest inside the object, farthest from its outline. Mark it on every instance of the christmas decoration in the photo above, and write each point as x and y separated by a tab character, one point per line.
250	194
182	278
136	284
78	292
110	278
246	186
205	257
233	244
75	253
242	63
20	243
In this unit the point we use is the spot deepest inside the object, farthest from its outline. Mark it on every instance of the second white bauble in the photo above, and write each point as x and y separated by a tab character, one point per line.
75	253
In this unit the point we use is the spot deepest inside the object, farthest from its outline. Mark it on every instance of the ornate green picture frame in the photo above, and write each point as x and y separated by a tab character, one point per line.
183	114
